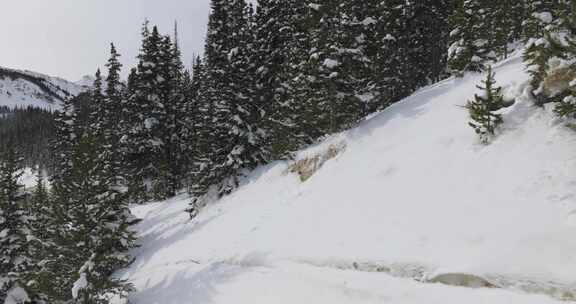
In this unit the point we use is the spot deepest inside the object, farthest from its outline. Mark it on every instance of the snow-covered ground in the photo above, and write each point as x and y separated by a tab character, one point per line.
411	207
28	178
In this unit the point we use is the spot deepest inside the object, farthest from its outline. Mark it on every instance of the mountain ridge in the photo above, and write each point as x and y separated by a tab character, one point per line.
22	88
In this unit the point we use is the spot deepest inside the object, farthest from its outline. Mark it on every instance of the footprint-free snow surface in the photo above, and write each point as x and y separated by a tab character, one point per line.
412	210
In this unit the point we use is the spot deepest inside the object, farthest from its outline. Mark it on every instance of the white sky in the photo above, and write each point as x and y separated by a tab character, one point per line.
70	38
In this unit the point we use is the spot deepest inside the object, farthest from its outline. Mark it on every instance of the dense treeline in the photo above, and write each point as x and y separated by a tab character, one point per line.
271	80
29	131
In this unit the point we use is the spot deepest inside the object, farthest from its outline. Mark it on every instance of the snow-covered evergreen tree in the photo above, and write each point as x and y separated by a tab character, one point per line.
115	95
15	259
470	39
392	63
539	15
506	27
233	139
275	32
86	221
144	141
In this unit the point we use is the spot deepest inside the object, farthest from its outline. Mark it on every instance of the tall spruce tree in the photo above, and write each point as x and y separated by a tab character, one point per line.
15	259
239	114
38	224
331	102
235	139
144	143
392	62
275	31
88	229
177	161
361	31
115	95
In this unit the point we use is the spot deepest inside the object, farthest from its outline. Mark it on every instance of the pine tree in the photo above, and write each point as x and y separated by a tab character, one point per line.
87	234
236	139
144	141
426	36
209	91
392	61
483	108
471	44
287	121
507	17
115	95
324	84
38	225
189	133
101	228
176	105
539	17
240	115
39	206
15	259
155	119
360	30
565	12
67	134
274	35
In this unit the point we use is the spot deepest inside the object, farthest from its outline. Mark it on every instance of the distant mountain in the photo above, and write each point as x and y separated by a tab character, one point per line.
86	81
24	88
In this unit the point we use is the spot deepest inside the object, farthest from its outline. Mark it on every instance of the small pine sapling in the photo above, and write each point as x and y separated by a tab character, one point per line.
483	108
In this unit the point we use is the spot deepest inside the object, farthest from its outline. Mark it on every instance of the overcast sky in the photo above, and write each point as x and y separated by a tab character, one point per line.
70	38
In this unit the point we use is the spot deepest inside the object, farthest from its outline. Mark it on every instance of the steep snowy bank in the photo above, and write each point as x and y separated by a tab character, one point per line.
413	198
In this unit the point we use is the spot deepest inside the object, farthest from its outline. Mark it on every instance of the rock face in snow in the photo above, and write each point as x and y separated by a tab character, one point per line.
24	88
412	209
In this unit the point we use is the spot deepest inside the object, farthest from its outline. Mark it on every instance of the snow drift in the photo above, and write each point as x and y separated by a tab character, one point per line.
410	210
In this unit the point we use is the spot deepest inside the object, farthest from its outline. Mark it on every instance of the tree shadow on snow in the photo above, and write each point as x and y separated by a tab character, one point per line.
190	286
165	237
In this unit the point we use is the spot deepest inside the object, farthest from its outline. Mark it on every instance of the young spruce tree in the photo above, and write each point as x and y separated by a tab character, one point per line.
483	108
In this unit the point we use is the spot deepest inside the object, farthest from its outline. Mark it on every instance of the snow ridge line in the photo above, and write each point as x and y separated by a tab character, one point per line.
412	271
424	274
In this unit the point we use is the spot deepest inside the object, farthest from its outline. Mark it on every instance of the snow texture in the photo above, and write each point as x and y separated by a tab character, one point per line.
17	295
80	284
413	209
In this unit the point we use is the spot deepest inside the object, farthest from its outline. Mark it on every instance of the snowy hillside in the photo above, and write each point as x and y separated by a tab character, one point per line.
410	207
24	88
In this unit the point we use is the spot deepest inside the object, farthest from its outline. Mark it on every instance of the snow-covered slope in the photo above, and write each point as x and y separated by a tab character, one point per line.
25	88
411	207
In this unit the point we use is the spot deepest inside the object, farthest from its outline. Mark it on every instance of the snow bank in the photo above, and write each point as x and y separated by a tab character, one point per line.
413	199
